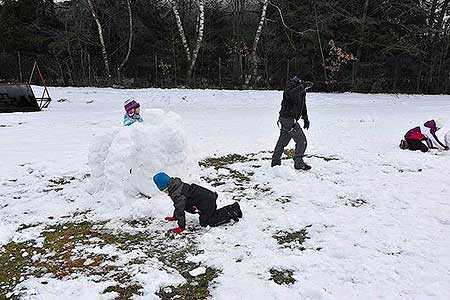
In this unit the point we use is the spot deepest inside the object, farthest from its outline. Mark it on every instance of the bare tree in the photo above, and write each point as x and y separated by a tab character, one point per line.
130	41
191	56
100	35
259	30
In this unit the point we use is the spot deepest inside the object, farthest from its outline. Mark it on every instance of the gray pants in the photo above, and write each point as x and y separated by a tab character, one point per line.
290	130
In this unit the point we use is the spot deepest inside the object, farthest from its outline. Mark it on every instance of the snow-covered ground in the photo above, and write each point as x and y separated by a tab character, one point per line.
375	220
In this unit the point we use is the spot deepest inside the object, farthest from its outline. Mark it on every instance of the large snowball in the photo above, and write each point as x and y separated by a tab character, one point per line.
159	144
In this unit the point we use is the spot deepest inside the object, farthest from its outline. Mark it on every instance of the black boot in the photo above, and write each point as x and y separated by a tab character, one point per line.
302	166
403	145
233	215
237	209
275	163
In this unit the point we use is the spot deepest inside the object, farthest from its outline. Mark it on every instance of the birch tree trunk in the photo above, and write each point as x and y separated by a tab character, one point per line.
187	51
130	42
102	40
198	44
256	41
191	56
442	15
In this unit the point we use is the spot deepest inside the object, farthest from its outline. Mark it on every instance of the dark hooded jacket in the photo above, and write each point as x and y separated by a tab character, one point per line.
294	101
191	198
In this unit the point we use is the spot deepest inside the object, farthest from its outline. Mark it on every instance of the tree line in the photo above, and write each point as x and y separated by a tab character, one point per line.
351	45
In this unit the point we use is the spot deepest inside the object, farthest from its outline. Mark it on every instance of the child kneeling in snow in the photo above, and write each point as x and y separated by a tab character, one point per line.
195	199
132	112
427	132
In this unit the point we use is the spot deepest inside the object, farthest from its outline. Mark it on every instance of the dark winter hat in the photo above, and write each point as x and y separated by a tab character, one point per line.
297	81
130	105
161	180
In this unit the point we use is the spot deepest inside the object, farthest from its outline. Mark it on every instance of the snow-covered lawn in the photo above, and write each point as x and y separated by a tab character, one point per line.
369	221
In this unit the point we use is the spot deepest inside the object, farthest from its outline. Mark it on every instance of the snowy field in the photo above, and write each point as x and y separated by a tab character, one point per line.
369	221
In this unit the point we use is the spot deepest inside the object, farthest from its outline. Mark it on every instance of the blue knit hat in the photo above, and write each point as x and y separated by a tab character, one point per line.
161	180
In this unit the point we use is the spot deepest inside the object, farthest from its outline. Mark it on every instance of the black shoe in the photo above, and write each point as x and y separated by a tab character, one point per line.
403	145
275	163
237	209
233	215
303	167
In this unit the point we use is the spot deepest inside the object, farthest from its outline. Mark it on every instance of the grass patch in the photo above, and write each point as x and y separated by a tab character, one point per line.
61	180
63	254
55	184
283	200
238	177
282	276
196	287
27	226
125	292
290	153
15	260
356	202
292	239
140	223
353	202
223	161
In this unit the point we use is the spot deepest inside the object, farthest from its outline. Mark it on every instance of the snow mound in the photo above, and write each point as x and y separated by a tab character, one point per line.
447	139
285	172
123	161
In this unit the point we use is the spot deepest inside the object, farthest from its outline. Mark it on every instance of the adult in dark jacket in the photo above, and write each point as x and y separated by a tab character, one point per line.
293	107
195	199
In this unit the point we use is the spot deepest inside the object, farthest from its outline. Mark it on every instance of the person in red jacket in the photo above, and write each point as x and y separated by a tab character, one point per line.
415	137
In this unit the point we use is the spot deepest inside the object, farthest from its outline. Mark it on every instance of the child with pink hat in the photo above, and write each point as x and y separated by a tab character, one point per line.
132	115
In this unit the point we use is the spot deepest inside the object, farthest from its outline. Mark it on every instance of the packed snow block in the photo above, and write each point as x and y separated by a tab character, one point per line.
124	160
17	98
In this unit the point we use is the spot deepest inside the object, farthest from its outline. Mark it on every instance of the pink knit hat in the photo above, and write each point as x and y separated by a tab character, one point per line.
130	105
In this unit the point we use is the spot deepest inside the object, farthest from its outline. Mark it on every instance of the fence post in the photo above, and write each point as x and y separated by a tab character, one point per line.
20	67
89	69
156	69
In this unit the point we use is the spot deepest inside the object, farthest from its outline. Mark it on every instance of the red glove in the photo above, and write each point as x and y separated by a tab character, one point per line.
178	230
170	219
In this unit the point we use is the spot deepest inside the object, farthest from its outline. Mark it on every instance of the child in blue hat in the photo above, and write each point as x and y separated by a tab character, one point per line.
195	199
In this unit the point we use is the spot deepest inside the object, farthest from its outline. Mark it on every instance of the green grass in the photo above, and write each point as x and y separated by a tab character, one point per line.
282	276
290	153
223	161
15	264
292	239
195	288
126	292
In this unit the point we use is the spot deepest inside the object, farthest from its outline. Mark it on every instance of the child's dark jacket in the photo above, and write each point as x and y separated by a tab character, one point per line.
191	198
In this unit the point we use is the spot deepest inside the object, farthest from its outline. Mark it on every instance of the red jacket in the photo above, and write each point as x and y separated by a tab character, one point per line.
426	132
